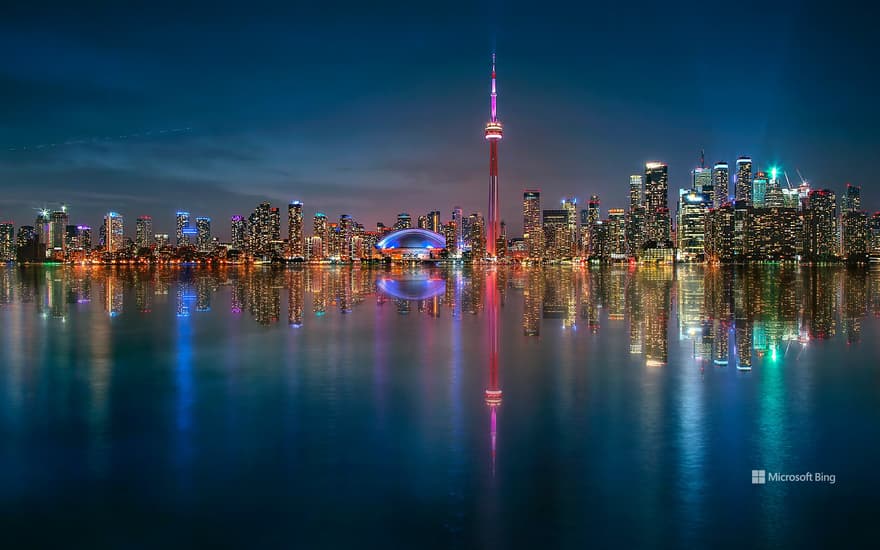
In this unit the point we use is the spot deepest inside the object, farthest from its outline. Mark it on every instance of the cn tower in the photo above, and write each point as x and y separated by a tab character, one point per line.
493	135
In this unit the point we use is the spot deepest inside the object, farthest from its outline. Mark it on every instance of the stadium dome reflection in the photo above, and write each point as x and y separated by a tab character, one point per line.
411	287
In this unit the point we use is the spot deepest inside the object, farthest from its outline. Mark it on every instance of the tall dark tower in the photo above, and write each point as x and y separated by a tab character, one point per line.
493	135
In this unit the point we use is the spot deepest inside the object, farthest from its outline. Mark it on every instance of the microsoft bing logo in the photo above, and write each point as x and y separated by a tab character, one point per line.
759	477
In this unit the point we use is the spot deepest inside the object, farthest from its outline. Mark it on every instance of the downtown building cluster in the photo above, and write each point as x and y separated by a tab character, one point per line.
254	238
720	217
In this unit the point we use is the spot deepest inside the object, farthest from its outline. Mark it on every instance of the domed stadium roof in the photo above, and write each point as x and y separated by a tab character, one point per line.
412	238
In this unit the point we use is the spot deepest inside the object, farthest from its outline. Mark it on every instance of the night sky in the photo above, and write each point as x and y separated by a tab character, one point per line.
376	108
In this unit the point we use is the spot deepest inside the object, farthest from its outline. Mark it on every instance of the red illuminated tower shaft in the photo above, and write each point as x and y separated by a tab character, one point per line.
493	136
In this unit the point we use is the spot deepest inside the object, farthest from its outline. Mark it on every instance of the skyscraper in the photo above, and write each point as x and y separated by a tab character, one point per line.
852	199
774	197
57	243
657	203
457	219
346	232
744	179
759	189
238	232
182	223
7	242
719	236
321	236
856	236
591	226
570	206
493	136
434	221
556	236
692	209
635	191
295	229
41	234
616	228
113	231
533	234
143	231
820	226
264	226
84	237
874	236
70	238
404	221
27	248
721	177
477	235
203	238
274	224
703	181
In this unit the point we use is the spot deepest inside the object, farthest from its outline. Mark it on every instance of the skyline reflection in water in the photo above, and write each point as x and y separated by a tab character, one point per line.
650	391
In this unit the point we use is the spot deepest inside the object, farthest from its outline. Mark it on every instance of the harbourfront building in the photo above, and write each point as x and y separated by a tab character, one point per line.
263	229
590	221
238	232
635	191
182	223
404	221
759	189
743	180
721	178
693	207
856	236
821	236
773	234
616	234
203	234
56	246
143	232
874	236
295	229
703	182
533	232
113	232
556	236
657	205
321	232
477	236
719	243
7	242
570	206
852	199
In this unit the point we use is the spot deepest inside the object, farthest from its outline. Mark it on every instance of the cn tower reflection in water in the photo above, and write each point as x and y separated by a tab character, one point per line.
493	392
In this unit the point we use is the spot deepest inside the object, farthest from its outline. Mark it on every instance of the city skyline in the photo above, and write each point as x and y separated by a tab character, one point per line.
169	219
579	125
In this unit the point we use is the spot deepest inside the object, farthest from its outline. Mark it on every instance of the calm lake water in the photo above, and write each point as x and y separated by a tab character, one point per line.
499	408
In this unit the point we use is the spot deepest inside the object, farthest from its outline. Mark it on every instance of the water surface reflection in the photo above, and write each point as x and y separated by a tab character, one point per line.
508	406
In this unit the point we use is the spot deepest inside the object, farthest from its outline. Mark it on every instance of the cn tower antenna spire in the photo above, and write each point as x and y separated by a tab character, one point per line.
494	94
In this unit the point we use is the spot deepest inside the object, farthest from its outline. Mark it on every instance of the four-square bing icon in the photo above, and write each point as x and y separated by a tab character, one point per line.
759	477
